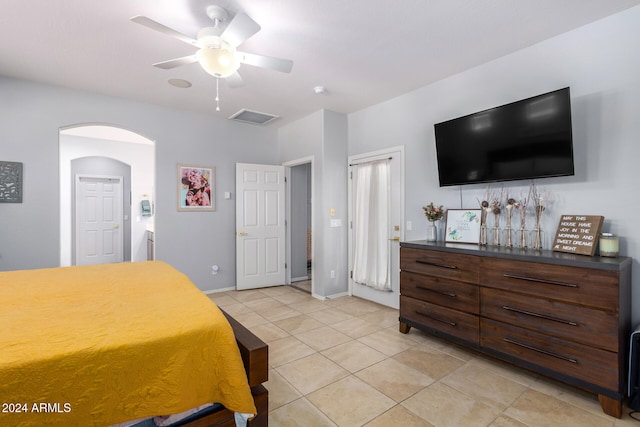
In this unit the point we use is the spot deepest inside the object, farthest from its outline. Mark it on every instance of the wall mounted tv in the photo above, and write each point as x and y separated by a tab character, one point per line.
526	139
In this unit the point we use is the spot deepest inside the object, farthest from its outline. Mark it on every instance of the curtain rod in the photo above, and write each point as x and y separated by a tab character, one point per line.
369	161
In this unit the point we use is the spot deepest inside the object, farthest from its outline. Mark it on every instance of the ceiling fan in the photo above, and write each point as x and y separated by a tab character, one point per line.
217	52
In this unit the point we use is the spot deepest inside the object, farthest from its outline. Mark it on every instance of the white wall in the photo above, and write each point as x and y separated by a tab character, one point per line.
31	116
600	63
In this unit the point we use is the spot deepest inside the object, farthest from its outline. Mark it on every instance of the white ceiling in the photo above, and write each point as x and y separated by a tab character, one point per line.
362	51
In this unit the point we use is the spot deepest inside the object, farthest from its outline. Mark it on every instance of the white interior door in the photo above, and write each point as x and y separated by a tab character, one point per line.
395	226
99	237
260	226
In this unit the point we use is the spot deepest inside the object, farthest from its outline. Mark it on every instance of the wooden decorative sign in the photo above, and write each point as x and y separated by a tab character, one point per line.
578	234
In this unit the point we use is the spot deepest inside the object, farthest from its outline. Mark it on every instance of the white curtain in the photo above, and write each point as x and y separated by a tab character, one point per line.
371	226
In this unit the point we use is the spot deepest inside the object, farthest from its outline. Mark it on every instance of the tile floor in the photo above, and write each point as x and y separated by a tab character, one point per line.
342	362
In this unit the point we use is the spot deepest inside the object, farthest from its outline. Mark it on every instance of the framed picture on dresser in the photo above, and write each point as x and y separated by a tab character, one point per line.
462	226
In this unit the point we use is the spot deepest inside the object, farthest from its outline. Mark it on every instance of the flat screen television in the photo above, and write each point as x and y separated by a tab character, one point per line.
526	139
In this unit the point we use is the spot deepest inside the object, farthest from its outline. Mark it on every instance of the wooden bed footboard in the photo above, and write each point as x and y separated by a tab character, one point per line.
254	352
255	356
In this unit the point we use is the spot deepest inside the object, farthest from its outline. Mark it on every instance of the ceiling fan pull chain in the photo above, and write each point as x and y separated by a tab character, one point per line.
217	94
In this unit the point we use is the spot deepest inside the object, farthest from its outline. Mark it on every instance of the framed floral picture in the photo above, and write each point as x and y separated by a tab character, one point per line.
196	188
463	226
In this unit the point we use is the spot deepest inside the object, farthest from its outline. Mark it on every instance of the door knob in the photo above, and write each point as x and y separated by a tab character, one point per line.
116	226
395	239
242	233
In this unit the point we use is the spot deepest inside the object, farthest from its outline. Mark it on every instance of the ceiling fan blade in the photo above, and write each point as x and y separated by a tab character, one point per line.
173	63
234	80
150	23
239	29
282	65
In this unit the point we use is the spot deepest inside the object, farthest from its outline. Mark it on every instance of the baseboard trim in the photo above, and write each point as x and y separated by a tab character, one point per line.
215	291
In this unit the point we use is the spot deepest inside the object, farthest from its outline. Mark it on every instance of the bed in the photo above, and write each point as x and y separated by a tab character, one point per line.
101	345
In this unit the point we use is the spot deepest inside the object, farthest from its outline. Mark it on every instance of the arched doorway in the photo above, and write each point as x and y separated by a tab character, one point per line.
108	145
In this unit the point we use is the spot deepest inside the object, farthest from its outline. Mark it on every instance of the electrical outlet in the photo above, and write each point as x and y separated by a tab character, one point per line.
214	269
333	274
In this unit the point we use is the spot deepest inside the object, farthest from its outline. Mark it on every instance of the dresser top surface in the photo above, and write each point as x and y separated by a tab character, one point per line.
545	256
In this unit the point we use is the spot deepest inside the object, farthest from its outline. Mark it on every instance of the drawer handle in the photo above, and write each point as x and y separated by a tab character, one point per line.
436	319
541	316
435	264
548	353
534	279
447	294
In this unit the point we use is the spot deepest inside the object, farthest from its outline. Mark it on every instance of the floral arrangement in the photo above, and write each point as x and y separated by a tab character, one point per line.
488	204
511	203
432	212
484	205
484	210
539	201
498	202
521	206
495	207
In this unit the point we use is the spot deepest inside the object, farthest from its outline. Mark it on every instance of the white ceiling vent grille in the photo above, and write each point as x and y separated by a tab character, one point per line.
253	117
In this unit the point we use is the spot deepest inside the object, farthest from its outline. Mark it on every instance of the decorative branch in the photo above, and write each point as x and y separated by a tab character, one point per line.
539	201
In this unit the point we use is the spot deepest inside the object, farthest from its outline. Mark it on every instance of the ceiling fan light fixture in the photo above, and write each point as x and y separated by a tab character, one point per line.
217	53
218	58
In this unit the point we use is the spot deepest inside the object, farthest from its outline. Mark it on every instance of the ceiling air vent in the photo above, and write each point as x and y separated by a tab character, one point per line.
253	117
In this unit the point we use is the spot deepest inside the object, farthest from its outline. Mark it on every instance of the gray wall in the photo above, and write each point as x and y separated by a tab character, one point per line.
601	64
299	220
30	117
323	136
598	61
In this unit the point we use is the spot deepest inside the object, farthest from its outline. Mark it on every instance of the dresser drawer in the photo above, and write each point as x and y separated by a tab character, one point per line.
441	291
455	323
592	365
464	268
595	328
583	286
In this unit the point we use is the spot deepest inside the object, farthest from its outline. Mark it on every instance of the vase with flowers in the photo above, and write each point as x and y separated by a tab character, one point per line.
508	237
521	206
496	209
433	214
485	209
484	206
539	201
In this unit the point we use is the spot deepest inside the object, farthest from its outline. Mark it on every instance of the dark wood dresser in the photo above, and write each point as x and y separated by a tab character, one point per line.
562	315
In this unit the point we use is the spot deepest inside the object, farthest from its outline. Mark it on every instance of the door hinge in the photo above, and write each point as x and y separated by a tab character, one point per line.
351	274
285	265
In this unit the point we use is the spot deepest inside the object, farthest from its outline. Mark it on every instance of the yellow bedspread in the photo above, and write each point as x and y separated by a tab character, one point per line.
99	345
